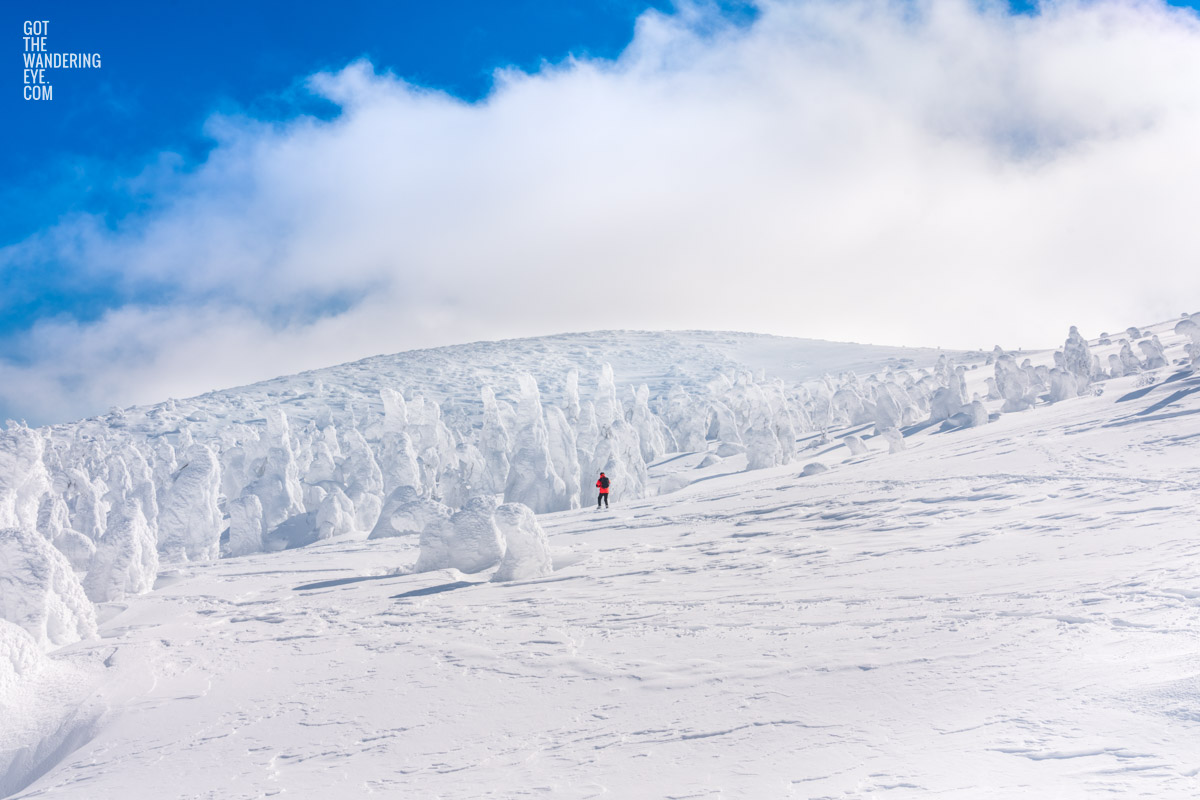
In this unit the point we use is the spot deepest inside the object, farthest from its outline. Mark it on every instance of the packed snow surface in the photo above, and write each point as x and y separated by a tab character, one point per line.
991	590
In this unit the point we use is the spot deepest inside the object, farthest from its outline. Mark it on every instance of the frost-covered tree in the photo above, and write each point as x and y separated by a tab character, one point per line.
189	524
40	592
397	456
468	541
946	402
1064	385
1014	385
531	478
587	432
564	453
1130	363
723	425
653	434
618	455
1077	359
432	440
527	551
572	389
1190	328
895	440
335	516
1152	353
1115	368
126	557
247	533
855	444
607	408
407	513
494	444
763	448
23	477
687	418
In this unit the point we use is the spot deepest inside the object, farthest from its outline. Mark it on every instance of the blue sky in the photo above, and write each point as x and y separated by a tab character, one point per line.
167	66
161	237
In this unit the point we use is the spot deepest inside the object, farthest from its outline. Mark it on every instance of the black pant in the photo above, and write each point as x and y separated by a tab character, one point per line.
603	496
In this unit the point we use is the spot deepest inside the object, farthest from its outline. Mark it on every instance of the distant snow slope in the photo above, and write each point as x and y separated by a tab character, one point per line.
452	376
962	601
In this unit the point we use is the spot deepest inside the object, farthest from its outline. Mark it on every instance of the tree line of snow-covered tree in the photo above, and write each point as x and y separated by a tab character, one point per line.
90	518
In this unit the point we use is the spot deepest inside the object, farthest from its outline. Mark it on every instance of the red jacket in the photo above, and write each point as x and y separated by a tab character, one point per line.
603	489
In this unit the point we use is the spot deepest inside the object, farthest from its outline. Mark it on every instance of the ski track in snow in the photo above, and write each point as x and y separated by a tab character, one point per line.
1004	611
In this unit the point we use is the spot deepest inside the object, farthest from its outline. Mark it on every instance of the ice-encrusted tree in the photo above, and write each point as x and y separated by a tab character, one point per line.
362	479
587	435
397	456
573	407
465	477
564	452
1014	385
527	550
494	444
468	541
946	402
407	513
190	522
1064	385
687	418
782	418
19	656
618	455
432	440
335	516
653	434
1153	353
1077	359
723	425
23	476
763	448
1190	328
247	533
531	478
607	407
40	592
1130	363
126	557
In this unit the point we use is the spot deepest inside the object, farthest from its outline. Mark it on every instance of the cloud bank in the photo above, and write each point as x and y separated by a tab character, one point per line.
937	173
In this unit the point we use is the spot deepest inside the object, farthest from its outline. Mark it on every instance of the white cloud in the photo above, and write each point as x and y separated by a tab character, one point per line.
931	173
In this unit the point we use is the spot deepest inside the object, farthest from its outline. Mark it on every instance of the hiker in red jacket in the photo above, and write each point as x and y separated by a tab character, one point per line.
602	485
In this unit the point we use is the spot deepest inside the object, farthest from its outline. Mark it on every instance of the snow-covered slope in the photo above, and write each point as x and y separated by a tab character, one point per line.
452	376
943	605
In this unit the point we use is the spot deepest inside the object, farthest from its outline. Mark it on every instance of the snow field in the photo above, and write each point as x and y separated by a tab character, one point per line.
966	602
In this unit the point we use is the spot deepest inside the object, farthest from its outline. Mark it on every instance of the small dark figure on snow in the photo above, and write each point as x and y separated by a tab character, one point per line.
602	485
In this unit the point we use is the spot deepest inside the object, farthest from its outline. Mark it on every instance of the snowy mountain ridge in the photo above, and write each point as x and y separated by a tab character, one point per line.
95	514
